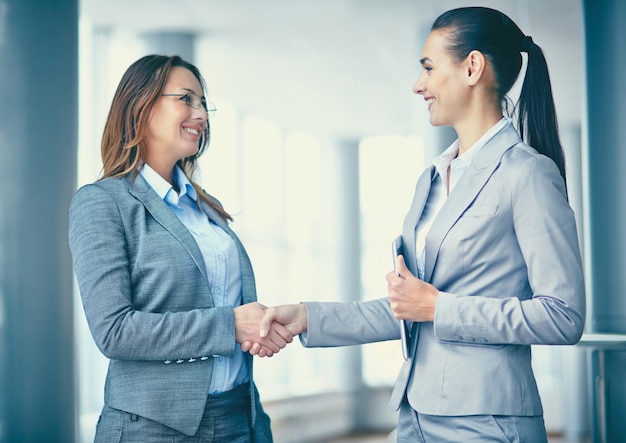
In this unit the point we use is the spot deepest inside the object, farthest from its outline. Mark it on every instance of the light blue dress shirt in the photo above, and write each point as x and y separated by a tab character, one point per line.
221	260
439	192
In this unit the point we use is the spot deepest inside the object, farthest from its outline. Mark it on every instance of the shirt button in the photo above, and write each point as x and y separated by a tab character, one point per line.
221	257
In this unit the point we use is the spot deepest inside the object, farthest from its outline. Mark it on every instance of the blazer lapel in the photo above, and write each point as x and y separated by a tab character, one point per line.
477	174
159	210
140	189
422	188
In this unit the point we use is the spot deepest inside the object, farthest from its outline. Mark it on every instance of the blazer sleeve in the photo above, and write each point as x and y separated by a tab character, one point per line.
98	239
545	228
343	324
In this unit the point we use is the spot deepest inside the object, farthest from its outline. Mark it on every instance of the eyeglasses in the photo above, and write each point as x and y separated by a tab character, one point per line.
194	101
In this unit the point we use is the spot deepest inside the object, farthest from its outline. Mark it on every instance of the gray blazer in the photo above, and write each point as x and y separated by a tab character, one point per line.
147	301
504	253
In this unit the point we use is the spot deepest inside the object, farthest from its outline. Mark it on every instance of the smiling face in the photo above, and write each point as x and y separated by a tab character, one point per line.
174	128
443	82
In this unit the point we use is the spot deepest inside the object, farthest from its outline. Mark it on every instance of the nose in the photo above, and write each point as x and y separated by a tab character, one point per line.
420	84
200	114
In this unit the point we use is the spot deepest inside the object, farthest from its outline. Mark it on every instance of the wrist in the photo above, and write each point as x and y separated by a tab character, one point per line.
433	309
303	316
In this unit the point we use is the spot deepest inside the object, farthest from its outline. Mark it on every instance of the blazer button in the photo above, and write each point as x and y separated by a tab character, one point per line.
482	340
180	360
458	338
191	360
470	340
204	358
167	362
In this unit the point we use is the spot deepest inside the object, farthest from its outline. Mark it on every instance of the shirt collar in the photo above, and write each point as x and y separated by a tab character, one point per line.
163	188
450	155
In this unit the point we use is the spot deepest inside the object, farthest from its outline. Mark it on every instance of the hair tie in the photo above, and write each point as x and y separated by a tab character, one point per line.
527	42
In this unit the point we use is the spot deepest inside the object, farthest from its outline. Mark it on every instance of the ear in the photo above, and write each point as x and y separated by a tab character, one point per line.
476	64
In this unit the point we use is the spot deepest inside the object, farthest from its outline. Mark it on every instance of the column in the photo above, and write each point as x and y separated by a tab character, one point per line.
344	160
38	144
606	248
171	43
604	37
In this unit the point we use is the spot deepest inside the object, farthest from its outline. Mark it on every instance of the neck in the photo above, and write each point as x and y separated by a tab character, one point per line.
164	170
482	113
470	131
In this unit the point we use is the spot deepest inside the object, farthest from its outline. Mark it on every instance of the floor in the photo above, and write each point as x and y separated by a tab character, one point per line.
382	438
369	438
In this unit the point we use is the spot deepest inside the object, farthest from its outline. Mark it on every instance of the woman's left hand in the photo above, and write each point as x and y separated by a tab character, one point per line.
247	320
410	298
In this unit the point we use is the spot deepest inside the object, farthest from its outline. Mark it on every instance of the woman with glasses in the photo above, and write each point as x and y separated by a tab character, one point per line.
167	287
490	262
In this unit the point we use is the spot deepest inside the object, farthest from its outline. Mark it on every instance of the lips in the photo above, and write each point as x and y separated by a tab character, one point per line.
193	129
430	101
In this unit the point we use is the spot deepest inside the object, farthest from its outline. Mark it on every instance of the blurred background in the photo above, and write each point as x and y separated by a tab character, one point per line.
316	147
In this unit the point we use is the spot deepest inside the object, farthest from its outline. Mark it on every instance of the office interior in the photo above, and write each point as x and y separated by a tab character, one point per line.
316	146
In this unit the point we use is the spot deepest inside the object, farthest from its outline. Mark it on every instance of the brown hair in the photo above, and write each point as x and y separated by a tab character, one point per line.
125	129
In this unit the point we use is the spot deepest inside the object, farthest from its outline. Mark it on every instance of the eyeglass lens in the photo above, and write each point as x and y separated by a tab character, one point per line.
196	102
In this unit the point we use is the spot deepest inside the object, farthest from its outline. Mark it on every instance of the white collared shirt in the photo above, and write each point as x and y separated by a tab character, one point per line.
438	194
221	260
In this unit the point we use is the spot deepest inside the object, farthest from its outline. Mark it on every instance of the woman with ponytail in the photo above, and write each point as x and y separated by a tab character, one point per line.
490	261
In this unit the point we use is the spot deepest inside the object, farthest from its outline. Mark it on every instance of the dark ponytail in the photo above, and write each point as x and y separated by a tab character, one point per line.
536	116
502	41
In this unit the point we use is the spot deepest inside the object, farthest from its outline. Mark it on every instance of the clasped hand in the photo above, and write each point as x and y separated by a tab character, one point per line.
248	318
266	332
410	298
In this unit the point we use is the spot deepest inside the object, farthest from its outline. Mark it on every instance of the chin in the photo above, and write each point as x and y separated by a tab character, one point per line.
434	121
191	151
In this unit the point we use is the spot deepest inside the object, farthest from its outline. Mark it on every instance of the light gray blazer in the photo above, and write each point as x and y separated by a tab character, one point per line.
147	301
504	253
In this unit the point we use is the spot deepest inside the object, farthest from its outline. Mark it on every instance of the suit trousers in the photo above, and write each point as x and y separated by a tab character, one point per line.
226	419
414	427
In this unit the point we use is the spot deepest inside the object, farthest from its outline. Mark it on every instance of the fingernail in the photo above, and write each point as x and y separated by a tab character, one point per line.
263	332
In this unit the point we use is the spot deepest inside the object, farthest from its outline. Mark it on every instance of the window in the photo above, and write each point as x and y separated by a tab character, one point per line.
389	168
276	183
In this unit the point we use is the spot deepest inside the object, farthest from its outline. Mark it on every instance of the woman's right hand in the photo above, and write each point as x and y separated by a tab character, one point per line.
248	325
293	317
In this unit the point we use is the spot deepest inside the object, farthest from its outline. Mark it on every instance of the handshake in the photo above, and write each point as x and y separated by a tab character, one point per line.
265	331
